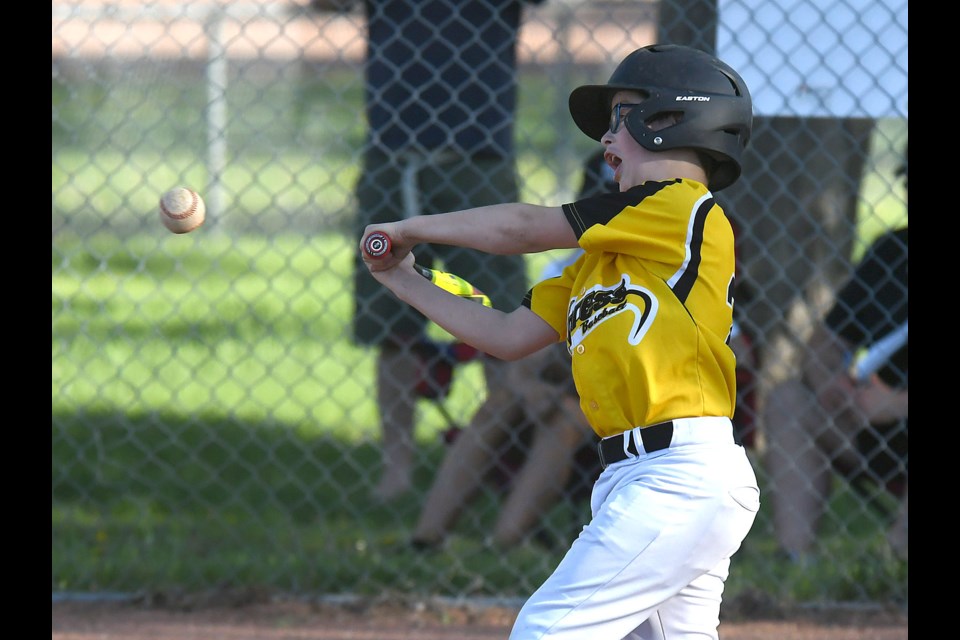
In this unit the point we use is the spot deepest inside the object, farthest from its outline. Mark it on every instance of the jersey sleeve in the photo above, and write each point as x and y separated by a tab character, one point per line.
550	298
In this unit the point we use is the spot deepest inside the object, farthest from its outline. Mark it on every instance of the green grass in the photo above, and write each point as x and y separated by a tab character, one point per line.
212	424
195	322
167	502
199	503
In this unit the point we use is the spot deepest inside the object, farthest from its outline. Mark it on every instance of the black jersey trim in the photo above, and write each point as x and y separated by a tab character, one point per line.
604	207
692	270
528	300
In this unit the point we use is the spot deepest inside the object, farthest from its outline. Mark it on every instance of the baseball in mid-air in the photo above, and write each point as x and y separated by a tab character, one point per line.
182	210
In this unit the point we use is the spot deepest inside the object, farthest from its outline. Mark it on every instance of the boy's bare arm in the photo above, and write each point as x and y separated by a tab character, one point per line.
508	336
501	229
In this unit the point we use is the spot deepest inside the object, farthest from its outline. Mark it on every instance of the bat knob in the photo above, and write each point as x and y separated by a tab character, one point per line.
377	244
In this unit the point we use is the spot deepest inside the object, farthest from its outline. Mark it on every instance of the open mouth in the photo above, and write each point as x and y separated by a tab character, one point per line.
614	163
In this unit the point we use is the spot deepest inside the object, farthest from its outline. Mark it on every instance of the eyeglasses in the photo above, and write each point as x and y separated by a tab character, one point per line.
616	116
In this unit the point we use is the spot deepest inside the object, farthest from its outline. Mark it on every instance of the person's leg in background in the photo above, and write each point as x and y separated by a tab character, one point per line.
799	472
468	461
545	384
807	446
545	474
381	321
541	392
394	369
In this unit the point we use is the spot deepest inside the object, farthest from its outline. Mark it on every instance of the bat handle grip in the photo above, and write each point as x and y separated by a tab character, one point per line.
377	244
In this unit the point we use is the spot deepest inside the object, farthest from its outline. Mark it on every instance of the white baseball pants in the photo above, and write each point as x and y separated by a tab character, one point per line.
652	562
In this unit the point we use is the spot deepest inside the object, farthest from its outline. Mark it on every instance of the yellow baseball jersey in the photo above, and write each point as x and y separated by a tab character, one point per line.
647	310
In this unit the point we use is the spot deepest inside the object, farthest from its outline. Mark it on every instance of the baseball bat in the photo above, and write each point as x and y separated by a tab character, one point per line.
377	245
879	352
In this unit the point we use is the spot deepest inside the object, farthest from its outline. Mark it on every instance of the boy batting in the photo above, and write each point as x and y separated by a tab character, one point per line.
646	313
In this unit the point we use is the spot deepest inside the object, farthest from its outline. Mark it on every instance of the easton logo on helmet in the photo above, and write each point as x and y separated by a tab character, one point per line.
693	99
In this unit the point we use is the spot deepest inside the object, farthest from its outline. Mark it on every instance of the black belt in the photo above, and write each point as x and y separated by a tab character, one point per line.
655	438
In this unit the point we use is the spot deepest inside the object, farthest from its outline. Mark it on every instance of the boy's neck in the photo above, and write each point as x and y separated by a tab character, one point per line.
673	169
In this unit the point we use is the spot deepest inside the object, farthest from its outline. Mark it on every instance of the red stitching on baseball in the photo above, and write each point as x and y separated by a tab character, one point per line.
186	214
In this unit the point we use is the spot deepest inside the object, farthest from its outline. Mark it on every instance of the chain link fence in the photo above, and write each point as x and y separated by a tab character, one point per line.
213	424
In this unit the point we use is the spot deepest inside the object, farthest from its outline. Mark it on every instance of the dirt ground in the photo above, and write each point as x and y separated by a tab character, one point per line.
315	621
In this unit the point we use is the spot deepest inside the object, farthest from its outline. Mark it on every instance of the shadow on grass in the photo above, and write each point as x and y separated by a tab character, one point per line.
166	504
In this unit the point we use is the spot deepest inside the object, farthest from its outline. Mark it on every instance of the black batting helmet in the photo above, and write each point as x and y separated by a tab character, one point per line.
713	100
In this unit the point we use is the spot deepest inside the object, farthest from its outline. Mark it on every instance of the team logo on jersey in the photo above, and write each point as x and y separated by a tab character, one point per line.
600	304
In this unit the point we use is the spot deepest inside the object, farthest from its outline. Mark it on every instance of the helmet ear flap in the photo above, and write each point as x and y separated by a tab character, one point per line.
721	132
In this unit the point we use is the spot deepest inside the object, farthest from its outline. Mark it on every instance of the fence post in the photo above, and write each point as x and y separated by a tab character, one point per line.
216	115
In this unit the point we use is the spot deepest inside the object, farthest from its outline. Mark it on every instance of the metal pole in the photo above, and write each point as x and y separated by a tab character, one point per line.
216	116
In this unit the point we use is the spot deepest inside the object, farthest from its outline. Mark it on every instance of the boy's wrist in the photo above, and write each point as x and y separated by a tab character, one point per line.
416	230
